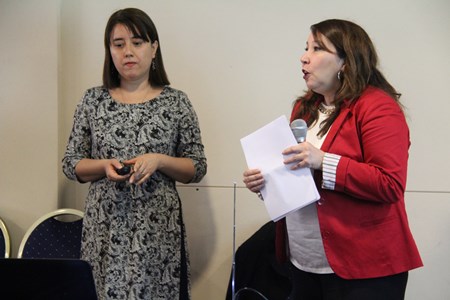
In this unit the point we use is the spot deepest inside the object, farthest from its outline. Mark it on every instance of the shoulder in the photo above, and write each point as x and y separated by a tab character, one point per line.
376	109
177	97
96	92
375	100
94	95
173	92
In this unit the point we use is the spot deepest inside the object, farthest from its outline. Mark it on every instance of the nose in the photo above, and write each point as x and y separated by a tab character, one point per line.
128	51
304	58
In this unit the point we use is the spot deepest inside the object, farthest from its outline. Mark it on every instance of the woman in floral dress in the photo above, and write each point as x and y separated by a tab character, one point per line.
133	232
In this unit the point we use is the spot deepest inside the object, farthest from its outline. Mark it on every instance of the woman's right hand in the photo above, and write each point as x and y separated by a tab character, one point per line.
94	169
111	167
253	180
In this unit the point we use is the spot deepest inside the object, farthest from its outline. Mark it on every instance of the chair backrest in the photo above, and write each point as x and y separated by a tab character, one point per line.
54	235
4	240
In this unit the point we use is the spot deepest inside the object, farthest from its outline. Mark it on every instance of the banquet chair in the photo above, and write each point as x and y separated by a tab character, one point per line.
54	235
4	240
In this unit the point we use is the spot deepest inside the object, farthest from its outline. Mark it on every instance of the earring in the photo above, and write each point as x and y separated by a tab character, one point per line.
339	75
153	65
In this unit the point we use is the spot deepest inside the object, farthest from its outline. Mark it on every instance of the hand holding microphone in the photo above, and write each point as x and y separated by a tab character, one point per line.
297	156
303	155
253	179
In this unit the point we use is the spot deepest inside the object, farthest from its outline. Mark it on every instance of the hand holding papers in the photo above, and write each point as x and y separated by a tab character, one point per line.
285	190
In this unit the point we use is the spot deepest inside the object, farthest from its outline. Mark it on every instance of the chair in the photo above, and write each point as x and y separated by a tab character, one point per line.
4	240
55	235
257	270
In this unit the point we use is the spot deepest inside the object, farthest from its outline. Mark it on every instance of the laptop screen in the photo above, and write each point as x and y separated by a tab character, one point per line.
49	279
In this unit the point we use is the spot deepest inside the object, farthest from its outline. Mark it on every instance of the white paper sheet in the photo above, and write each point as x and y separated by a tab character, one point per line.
285	190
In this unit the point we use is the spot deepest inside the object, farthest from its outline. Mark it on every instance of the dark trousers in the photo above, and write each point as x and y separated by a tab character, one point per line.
308	286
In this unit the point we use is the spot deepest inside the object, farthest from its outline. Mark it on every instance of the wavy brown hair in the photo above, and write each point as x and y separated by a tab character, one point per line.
140	24
355	47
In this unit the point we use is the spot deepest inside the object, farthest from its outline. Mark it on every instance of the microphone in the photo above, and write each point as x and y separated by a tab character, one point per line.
299	129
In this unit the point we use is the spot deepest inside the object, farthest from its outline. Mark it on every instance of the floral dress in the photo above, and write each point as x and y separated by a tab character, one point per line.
133	236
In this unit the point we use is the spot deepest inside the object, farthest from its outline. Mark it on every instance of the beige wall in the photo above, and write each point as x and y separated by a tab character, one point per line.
239	63
29	167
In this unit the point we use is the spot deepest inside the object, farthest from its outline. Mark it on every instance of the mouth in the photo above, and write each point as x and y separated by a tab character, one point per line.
305	74
129	64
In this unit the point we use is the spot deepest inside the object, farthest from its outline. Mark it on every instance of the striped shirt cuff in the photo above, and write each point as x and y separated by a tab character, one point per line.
330	163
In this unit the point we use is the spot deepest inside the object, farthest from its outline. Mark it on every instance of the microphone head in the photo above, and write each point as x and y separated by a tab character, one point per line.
299	129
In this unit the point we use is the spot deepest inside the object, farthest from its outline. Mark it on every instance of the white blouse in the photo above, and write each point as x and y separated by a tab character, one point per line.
305	241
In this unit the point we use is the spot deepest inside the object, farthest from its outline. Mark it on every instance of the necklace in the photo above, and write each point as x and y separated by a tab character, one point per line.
326	109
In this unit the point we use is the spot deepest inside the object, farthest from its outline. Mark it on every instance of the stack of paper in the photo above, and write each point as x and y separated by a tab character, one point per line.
285	190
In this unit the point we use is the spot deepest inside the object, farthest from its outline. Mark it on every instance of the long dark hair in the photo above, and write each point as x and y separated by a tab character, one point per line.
140	24
355	47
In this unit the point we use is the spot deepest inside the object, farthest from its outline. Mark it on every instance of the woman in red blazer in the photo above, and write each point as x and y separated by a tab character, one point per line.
355	242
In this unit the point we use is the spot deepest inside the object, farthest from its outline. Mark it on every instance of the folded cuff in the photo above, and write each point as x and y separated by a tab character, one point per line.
329	167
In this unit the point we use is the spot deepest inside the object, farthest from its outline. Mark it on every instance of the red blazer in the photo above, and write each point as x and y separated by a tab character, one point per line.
363	221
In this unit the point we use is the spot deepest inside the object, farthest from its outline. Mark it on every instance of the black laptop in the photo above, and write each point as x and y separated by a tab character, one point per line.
46	279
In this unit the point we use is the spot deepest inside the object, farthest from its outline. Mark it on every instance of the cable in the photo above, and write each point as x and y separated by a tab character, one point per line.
236	297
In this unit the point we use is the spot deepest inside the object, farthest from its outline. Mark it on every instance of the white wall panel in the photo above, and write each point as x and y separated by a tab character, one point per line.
430	223
208	214
29	167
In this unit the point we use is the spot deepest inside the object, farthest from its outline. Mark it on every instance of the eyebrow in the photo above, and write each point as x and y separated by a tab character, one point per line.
122	39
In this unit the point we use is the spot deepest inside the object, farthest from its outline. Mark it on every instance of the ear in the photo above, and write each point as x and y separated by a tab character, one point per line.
342	65
155	46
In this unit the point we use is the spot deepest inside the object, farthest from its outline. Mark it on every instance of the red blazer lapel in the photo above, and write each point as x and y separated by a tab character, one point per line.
334	129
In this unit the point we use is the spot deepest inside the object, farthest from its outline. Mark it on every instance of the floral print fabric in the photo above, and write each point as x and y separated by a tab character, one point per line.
134	236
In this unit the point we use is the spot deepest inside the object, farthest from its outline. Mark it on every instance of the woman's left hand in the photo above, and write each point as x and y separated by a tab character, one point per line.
143	167
304	155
